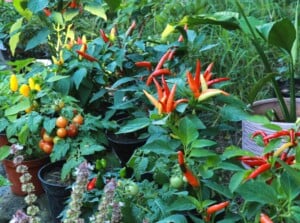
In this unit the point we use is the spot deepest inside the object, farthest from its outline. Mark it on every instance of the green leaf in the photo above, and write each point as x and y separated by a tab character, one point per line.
4	152
56	78
219	188
15	35
98	95
226	19
187	131
113	4
49	124
158	147
89	150
236	180
3	124
34	121
281	33
134	125
122	81
69	166
40	38
57	18
21	106
97	10
78	76
36	6
60	149
234	151
4	181
293	173
289	186
21	7
176	218
70	14
181	204
258	191
200	143
233	113
201	153
23	135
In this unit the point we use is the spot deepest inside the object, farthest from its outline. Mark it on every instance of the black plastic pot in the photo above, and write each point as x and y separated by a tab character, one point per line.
124	145
57	193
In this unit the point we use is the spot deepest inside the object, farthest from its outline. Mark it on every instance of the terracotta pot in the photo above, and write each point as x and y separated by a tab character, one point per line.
33	168
260	108
3	140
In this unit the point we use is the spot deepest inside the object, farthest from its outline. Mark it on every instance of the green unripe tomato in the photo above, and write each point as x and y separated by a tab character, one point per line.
176	182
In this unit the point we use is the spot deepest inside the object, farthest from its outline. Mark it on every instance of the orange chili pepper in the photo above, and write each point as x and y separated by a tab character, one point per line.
146	64
162	60
261	169
217	207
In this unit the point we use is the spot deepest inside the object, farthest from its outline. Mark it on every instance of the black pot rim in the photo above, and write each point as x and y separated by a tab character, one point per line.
47	166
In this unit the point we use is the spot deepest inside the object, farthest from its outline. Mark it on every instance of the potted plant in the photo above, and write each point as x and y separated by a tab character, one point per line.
262	34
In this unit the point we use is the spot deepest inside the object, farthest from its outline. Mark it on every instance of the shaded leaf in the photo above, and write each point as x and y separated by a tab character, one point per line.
36	6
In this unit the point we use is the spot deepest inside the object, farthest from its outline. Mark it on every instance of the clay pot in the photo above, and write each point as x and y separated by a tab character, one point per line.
14	177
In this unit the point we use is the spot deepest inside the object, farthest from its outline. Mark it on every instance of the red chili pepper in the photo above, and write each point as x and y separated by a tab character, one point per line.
263	134
86	56
171	54
73	4
170	101
259	170
217	80
162	60
159	89
190	177
277	135
207	73
92	184
146	64
265	218
217	207
131	28
157	73
104	36
253	163
290	160
47	12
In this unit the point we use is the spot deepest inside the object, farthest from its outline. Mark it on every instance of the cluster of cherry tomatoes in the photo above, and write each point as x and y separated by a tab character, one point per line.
64	128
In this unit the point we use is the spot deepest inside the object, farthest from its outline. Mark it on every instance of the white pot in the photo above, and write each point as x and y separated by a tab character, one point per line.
259	108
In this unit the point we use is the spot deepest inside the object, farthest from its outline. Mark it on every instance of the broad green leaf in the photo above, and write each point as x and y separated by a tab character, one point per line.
21	7
122	81
186	131
96	9
281	33
88	150
113	4
226	19
219	188
176	218
134	125
57	18
78	76
15	35
4	152
36	6
181	204
293	173
49	124
69	166
158	147
236	180
234	151
70	14
233	113
23	135
200	143
202	153
289	186
34	121
56	78
21	106
40	38
98	95
3	124
258	191
60	149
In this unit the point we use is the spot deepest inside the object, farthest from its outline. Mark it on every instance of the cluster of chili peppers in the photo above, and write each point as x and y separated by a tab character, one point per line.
264	163
200	83
82	52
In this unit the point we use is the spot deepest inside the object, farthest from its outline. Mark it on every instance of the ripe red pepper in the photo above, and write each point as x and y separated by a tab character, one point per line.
217	207
217	80
104	36
265	218
259	170
131	28
162	60
190	177
86	56
92	184
146	64
47	12
157	73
